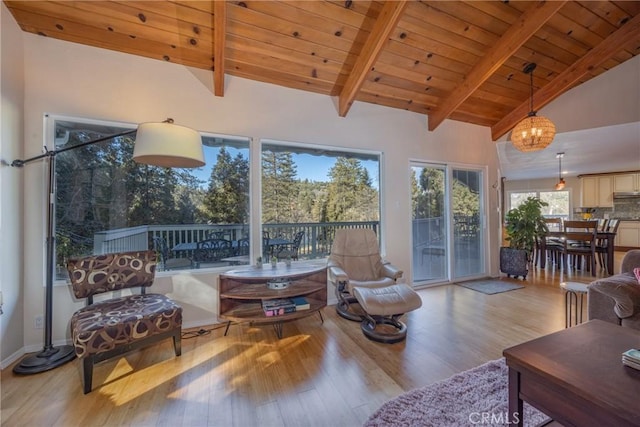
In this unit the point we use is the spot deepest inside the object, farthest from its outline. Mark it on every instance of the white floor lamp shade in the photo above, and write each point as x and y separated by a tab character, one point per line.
168	145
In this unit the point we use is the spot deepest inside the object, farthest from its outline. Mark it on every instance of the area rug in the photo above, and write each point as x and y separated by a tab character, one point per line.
490	287
474	397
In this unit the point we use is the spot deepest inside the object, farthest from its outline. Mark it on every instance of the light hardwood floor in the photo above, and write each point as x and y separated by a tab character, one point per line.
316	375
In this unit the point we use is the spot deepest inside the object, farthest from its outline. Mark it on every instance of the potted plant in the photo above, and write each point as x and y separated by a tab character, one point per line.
524	226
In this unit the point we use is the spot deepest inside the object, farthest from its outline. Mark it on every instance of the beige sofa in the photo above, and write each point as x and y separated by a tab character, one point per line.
616	299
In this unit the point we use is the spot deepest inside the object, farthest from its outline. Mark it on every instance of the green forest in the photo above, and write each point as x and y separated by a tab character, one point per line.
428	191
99	187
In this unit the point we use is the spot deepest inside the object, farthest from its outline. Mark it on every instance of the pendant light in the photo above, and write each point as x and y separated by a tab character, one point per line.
560	185
534	132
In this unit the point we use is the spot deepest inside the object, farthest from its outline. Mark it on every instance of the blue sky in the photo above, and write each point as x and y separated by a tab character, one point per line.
313	168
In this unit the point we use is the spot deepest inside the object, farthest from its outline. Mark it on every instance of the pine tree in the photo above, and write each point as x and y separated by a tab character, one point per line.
279	187
431	197
350	195
227	198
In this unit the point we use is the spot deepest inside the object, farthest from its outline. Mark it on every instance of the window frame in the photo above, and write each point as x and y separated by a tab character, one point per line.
537	194
255	145
257	159
49	126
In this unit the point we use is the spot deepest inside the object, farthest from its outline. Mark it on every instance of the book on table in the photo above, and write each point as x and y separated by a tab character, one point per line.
631	358
278	307
301	303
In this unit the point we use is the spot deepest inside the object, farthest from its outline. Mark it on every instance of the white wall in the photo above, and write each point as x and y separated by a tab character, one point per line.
11	210
68	79
611	98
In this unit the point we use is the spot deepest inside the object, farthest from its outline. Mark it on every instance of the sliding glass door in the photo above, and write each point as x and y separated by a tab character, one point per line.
447	223
468	230
429	222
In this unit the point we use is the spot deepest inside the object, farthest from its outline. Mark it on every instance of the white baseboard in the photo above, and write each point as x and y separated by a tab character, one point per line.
26	350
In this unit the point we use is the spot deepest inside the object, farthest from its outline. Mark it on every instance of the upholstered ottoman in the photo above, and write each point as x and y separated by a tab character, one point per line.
384	306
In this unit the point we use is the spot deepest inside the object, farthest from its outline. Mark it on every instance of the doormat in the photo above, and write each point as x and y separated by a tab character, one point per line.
490	287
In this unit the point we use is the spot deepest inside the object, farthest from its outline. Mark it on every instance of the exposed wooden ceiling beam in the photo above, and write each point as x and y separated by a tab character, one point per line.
517	35
385	23
629	32
219	42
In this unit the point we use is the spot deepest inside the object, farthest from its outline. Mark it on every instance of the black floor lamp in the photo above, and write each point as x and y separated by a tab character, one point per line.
161	144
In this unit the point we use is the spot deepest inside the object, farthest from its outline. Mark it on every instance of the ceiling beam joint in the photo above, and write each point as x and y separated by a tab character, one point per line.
597	56
517	35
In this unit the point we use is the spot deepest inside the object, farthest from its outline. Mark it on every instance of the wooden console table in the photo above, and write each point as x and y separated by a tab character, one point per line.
576	376
242	292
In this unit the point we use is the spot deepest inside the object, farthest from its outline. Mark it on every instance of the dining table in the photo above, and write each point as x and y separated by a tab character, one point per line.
275	243
187	246
605	236
192	246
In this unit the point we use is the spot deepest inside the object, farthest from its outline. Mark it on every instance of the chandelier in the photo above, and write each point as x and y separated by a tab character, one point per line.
534	132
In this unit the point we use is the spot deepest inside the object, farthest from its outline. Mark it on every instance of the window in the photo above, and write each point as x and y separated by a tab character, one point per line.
311	191
202	217
106	202
558	202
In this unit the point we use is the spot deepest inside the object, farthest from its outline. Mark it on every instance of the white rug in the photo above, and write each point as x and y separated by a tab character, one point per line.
478	396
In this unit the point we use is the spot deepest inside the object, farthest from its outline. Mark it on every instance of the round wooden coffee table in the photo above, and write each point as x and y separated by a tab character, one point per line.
242	292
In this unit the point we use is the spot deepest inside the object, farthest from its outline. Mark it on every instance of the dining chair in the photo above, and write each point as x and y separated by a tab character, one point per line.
579	244
602	245
553	243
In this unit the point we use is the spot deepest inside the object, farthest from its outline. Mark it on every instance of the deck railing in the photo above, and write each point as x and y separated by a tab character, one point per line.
316	243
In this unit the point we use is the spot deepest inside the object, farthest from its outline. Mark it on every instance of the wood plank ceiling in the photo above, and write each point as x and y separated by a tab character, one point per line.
461	60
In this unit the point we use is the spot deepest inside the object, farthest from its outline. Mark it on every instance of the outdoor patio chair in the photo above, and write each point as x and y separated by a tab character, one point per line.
168	262
212	250
243	246
290	250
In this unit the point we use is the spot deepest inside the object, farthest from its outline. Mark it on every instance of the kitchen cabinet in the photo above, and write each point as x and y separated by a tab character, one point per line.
597	191
628	234
626	182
